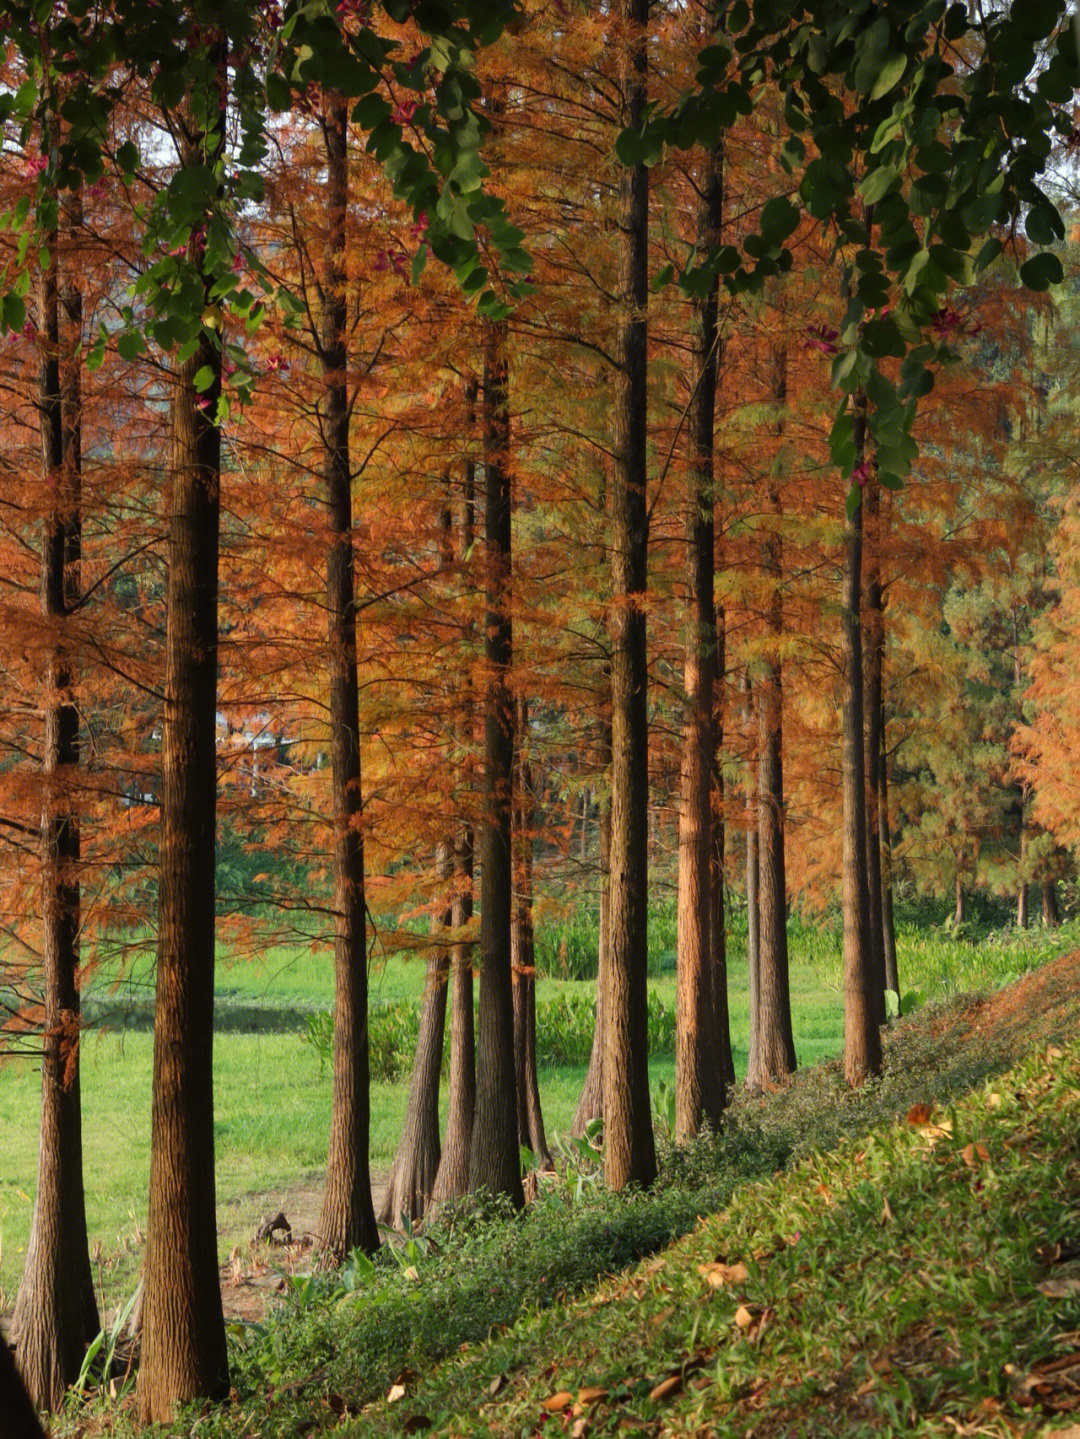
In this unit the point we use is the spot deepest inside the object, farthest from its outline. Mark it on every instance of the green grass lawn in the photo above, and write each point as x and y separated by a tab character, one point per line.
272	1102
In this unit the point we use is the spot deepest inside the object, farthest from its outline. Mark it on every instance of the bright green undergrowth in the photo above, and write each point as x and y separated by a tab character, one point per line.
879	1237
272	1101
920	1279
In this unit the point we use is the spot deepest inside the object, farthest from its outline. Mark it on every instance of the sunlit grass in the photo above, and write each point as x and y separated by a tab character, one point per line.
272	1102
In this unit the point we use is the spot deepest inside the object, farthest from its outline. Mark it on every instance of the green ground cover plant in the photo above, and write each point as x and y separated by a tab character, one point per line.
921	1278
478	1277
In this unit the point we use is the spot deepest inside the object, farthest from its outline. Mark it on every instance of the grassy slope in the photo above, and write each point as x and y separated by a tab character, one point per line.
906	1259
272	1103
889	1286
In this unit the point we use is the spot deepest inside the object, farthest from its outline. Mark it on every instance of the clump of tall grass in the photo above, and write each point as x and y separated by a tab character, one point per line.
569	948
564	1033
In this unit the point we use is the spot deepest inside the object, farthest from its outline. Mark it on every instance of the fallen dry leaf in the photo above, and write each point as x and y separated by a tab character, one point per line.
886	1210
416	1424
666	1389
866	1387
920	1113
496	1384
994	1100
934	1132
590	1393
974	1154
555	1403
743	1317
1064	1288
719	1275
580	1426
394	1393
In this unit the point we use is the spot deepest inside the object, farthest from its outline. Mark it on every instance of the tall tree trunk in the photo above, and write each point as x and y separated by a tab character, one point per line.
718	985
530	1116
416	1162
591	1104
698	1090
1051	915
183	1332
1021	795
774	1052
453	1175
888	922
873	662
347	1218
862	1036
494	1161
958	903
630	1153
753	905
55	1310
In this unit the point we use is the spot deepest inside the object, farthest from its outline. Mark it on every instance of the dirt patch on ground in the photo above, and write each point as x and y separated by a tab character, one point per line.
256	1273
1039	1008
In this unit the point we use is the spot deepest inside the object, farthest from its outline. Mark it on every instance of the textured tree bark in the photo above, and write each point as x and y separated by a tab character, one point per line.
20	1417
55	1310
874	658
453	1175
698	1088
183	1340
888	924
862	1036
630	1154
753	905
347	1218
718	987
1022	919
591	1104
416	1162
958	902
494	1162
774	1052
530	1118
412	1176
1051	915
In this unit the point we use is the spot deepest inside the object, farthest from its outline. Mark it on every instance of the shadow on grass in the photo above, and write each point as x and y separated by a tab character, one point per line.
136	1015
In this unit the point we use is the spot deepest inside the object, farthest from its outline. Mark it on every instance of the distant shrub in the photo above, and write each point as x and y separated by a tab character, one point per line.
564	1031
392	1033
569	949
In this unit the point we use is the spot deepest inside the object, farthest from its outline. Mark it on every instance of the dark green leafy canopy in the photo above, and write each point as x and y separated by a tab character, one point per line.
919	134
88	53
